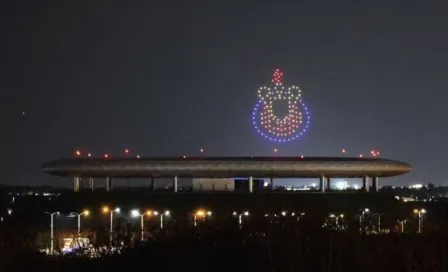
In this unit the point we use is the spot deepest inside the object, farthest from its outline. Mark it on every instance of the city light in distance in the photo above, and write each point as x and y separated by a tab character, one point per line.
343	151
126	151
78	153
275	150
89	155
201	150
106	156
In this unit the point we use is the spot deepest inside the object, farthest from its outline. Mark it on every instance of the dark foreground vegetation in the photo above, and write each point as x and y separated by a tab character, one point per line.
279	247
219	244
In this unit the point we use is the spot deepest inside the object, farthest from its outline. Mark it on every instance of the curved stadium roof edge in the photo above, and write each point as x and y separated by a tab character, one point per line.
227	167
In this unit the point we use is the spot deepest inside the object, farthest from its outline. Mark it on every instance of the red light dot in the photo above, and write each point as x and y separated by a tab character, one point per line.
126	151
89	155
106	156
78	153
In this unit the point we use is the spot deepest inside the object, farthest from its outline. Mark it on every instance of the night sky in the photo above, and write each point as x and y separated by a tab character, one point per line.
166	78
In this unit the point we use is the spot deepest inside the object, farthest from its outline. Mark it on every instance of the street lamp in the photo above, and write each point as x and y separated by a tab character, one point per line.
420	214
107	210
337	217
361	219
136	213
379	222
294	214
240	217
402	223
166	213
52	230
201	214
85	213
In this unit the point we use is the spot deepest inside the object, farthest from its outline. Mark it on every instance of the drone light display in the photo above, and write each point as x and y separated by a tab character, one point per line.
280	129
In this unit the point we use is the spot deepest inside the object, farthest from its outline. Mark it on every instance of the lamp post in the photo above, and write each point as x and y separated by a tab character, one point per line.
240	217
402	223
166	213
337	218
379	222
420	214
85	213
361	219
136	213
52	231
107	210
201	214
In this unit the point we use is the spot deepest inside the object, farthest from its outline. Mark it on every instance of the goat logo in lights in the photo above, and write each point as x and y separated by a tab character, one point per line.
266	116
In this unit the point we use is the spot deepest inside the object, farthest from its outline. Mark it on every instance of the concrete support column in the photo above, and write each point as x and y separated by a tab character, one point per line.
175	183
108	184
76	184
272	184
328	184
251	184
365	184
375	184
153	184
322	183
91	184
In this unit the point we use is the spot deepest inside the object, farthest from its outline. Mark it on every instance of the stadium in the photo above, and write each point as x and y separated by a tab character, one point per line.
217	171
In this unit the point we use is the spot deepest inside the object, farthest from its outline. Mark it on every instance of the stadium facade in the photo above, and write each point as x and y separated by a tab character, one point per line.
212	171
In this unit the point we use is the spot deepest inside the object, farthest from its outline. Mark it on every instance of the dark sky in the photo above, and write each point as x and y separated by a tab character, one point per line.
171	77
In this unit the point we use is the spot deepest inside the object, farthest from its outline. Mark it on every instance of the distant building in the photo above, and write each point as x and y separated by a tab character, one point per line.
211	184
225	184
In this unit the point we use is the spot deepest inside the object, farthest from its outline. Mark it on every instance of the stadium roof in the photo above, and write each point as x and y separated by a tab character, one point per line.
227	167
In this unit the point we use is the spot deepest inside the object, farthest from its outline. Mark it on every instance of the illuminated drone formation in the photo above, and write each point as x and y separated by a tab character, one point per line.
280	129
